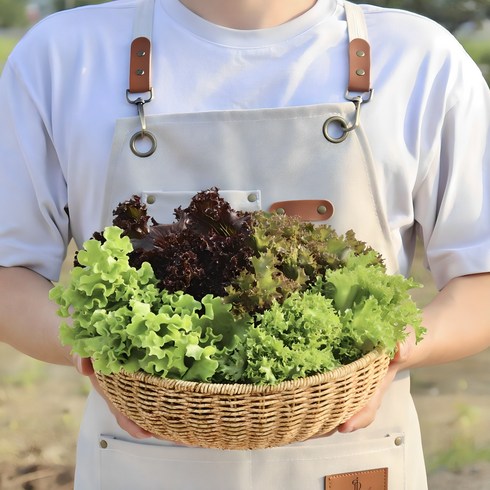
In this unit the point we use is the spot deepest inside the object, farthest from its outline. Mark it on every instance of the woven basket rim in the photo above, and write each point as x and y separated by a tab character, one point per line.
248	388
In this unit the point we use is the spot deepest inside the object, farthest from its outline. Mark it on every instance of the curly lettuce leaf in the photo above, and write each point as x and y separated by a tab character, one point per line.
200	253
120	319
289	254
294	339
375	308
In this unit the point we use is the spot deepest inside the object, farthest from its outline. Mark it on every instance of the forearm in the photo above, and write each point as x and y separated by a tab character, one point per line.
28	319
457	322
458	325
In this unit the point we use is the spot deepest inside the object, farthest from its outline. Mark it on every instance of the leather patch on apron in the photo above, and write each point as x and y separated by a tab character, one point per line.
359	480
306	209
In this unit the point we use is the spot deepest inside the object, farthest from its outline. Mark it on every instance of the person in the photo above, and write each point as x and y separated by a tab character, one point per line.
381	112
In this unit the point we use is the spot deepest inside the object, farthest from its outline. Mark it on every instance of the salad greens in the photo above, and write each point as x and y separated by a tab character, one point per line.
121	319
222	296
201	253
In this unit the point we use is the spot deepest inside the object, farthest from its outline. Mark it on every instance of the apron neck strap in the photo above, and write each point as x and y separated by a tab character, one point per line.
140	60
359	50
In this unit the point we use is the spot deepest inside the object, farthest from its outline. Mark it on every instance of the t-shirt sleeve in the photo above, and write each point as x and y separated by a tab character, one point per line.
34	229
452	204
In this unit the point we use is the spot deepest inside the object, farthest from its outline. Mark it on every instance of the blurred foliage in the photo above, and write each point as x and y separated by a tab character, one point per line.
450	13
463	450
6	45
13	13
480	52
68	4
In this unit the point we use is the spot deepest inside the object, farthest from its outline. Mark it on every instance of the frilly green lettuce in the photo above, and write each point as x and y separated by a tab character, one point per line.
297	299
121	320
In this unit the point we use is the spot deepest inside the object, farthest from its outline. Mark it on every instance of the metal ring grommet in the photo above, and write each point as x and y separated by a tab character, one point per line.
139	136
343	127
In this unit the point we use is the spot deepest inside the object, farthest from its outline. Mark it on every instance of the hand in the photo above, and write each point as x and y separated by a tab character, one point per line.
84	366
367	415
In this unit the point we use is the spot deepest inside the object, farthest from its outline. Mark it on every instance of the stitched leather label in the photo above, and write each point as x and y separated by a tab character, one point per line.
359	480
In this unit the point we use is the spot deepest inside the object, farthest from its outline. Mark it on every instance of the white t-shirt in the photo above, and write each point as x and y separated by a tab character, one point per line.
64	87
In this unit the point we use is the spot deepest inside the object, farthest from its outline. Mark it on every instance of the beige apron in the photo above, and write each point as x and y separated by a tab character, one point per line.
256	158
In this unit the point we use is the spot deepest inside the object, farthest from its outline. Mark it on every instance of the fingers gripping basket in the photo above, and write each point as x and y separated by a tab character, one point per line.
245	416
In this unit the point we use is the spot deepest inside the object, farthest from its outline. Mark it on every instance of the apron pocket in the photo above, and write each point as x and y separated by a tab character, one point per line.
126	465
307	466
161	204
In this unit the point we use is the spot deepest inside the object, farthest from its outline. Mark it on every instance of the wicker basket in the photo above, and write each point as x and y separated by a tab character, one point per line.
245	416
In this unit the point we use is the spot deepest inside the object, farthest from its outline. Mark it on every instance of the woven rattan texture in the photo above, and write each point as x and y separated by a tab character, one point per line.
241	416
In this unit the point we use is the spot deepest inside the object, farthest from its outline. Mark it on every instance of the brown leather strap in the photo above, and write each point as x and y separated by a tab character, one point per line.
359	66
359	49
306	209
139	66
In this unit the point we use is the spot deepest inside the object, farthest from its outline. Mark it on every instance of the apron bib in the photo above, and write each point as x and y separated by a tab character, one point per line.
256	158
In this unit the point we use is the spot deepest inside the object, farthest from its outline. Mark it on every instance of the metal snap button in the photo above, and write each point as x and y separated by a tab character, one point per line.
398	441
280	211
103	444
322	210
252	197
151	199
360	72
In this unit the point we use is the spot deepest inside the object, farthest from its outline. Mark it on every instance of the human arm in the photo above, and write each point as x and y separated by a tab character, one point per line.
451	212
28	320
458	325
457	322
29	323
